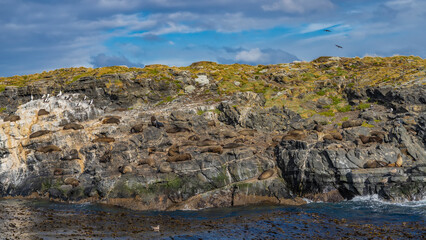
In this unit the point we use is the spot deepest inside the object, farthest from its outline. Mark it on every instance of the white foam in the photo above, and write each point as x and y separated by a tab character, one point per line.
375	199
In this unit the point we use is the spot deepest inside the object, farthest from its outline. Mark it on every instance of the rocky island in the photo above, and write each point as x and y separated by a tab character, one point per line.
212	135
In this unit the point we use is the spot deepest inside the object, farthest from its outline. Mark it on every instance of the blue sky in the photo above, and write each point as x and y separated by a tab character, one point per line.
49	34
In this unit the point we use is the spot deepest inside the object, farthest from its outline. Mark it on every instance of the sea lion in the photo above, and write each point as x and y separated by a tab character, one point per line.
173	150
266	174
247	132
39	133
213	149
42	112
48	149
194	138
151	150
12	118
352	123
106	157
58	171
165	168
73	154
138	128
232	145
72	181
103	140
125	169
336	135
295	135
74	126
148	161
229	134
111	120
374	164
207	142
180	157
319	128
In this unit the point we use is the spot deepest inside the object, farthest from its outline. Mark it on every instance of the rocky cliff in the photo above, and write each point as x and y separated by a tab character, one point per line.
212	135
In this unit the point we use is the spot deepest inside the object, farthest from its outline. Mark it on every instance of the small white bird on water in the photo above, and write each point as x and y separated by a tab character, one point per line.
85	97
32	97
156	229
60	94
91	101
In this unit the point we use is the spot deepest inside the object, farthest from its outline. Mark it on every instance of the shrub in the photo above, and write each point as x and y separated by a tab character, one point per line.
346	108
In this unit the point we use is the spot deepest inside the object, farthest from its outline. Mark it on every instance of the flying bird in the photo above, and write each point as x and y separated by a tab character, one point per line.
326	30
338	46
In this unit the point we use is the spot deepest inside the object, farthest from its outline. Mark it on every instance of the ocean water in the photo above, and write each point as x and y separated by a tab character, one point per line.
360	218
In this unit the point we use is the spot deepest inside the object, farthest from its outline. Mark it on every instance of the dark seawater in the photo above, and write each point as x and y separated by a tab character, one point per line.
361	218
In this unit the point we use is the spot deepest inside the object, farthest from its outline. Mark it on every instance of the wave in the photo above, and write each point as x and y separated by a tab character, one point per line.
375	199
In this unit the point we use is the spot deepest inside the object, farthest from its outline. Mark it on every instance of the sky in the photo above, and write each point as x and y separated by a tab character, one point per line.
42	35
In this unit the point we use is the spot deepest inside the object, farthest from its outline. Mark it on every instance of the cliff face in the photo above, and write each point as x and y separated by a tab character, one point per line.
224	135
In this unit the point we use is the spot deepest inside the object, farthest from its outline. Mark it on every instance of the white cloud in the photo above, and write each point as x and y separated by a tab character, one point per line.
252	55
298	6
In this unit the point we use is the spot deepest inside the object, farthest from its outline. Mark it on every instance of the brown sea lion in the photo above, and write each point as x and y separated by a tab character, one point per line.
180	157
266	174
374	164
207	142
103	140
138	128
42	112
12	118
72	181
74	126
58	171
173	150
194	138
111	120
295	135
352	123
125	169
165	168
106	157
232	145
72	155
39	133
148	161
48	149
213	149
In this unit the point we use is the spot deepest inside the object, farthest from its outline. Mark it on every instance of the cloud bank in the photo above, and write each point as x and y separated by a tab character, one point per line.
47	34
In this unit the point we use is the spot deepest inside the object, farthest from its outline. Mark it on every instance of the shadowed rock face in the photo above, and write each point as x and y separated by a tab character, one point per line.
210	153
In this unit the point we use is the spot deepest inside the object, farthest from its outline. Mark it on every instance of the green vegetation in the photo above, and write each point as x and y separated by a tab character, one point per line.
345	118
200	112
364	124
2	109
346	108
363	106
328	113
303	82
